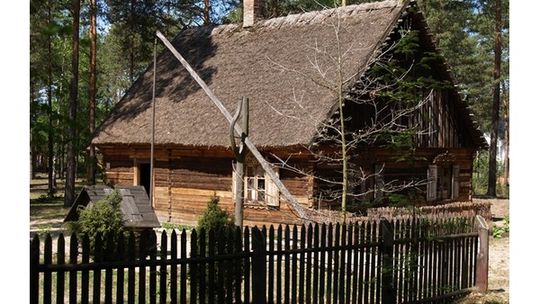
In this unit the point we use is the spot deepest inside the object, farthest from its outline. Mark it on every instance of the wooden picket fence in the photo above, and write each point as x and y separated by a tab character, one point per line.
398	261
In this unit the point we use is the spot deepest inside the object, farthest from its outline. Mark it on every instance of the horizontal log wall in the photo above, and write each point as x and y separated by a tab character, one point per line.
185	182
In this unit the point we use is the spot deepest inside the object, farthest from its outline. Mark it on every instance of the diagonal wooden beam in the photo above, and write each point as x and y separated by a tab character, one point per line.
291	200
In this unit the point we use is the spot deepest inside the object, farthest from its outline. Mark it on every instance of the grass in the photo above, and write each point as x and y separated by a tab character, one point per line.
47	213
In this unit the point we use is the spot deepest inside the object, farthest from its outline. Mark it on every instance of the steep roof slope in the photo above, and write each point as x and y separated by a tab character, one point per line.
271	63
277	64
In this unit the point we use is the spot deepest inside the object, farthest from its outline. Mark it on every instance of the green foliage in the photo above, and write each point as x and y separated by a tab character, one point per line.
101	218
480	175
168	225
214	217
500	231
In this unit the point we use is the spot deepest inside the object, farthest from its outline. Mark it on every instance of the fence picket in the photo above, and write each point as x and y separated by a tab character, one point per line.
153	275
294	267
60	259
120	254
34	272
98	257
108	256
174	268
287	281
202	267
237	266
270	279
336	263
247	272
131	269
308	268
193	268
85	274
163	270
183	267
316	253
302	262
211	268
47	276
279	272
322	272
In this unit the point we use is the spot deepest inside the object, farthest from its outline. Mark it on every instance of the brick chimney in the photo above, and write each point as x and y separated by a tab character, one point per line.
252	12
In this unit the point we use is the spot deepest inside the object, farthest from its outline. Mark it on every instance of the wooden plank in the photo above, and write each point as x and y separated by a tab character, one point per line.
238	265
270	278
34	272
316	242
212	246
229	266
98	257
131	270
294	268
142	269
308	268
336	292
322	273
287	281
85	276
348	270
121	254
221	267
355	262
174	268
163	270
60	259
259	271
108	256
202	267
153	272
193	268
183	267
73	253
47	277
302	262
279	271
330	262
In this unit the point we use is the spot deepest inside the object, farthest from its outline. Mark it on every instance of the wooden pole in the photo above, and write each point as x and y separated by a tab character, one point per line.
291	200
240	155
153	130
482	260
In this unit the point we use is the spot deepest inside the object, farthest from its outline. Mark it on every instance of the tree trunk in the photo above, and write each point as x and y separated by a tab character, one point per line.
206	12
91	161
506	106
69	195
131	42
492	177
50	140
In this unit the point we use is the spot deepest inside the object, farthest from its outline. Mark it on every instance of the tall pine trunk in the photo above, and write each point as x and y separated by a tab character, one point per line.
51	189
91	161
506	106
492	177
69	195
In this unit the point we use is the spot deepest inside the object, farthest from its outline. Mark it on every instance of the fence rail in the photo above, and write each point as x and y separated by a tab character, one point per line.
398	261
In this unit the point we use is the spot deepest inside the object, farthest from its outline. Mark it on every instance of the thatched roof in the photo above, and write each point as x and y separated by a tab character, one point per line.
271	63
135	205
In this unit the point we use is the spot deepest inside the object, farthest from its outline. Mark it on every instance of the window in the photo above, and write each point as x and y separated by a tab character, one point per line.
259	189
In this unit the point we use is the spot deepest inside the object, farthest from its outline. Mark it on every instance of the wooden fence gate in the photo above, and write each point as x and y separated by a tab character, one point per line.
398	261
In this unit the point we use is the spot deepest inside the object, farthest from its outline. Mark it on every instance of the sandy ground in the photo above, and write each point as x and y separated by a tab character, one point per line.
498	262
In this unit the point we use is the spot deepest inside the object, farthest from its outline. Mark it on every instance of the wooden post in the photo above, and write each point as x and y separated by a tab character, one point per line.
259	266
482	260
240	155
388	295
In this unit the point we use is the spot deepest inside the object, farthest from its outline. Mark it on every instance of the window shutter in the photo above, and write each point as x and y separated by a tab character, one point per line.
271	190
432	183
455	182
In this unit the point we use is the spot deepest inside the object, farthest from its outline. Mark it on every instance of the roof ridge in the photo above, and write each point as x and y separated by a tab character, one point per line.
305	18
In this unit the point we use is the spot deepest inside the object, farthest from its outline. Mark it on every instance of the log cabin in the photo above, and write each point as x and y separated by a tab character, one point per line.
272	62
